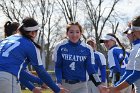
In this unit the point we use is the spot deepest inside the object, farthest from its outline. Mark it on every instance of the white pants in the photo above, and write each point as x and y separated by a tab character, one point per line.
92	88
76	88
137	86
8	83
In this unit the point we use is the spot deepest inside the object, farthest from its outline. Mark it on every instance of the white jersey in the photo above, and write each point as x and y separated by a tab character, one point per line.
137	61
132	56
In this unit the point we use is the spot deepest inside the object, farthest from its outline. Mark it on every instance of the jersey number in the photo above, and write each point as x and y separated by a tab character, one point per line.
72	66
10	47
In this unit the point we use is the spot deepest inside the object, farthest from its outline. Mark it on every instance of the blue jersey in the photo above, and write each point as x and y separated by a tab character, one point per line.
15	50
27	79
100	65
134	63
130	68
73	60
115	57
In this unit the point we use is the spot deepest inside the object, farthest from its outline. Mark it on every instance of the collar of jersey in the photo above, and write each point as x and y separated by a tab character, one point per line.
113	46
75	44
136	41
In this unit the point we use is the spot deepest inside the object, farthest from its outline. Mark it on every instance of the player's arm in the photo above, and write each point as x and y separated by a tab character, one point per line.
103	73
26	83
126	74
29	85
90	68
95	79
97	82
133	77
45	77
30	77
102	67
92	72
128	81
58	65
36	61
130	75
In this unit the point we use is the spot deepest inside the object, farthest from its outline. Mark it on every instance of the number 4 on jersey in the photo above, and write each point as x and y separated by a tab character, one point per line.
72	66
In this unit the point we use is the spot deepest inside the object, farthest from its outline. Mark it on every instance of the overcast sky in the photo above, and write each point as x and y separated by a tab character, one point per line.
130	8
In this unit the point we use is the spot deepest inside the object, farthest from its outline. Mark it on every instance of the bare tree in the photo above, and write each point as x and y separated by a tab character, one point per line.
42	11
98	17
114	24
69	9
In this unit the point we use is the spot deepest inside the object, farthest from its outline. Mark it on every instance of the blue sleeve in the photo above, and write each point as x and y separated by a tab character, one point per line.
58	67
26	83
30	77
133	77
115	69
36	61
89	65
103	73
126	74
45	77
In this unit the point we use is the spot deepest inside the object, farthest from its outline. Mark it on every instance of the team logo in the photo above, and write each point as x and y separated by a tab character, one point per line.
82	51
64	49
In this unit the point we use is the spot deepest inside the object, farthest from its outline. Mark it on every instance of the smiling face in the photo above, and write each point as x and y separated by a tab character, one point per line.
136	34
109	43
92	44
74	33
33	34
130	37
133	36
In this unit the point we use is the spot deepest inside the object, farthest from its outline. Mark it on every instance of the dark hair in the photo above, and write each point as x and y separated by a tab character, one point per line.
113	35
91	42
136	21
129	24
74	23
10	28
28	22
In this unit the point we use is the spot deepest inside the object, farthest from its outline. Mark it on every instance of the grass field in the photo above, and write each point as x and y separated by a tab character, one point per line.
45	91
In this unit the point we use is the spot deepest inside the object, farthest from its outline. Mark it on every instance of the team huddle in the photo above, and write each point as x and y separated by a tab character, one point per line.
79	66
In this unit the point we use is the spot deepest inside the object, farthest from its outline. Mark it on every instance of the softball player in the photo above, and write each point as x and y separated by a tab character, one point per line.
26	78
14	51
73	59
117	58
100	67
133	71
129	70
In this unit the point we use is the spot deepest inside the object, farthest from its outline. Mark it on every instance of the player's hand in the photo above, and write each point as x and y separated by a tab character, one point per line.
37	90
44	86
104	84
62	89
113	90
103	89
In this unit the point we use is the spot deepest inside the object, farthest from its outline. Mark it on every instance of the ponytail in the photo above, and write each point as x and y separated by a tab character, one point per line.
124	53
10	28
